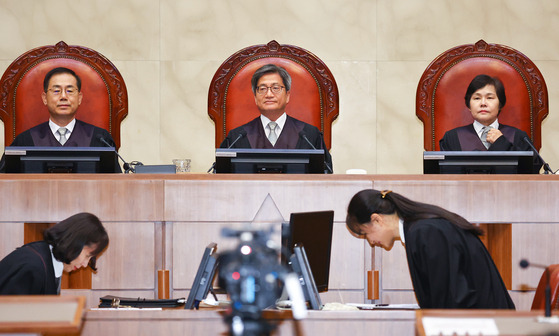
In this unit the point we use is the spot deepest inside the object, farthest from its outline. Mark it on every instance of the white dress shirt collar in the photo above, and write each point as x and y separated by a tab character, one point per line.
401	229
57	265
479	126
54	129
280	121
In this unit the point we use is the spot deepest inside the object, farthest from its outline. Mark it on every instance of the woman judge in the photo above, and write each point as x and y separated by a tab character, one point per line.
485	98
449	265
36	268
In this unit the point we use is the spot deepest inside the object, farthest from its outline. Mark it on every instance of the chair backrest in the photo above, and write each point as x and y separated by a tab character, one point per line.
314	93
105	99
539	299
440	93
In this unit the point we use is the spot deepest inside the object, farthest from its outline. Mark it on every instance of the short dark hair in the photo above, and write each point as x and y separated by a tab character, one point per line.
268	69
480	81
57	71
69	236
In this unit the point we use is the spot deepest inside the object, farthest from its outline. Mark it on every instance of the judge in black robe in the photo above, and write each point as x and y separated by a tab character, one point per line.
465	138
271	85
62	97
253	136
83	135
485	97
28	270
451	268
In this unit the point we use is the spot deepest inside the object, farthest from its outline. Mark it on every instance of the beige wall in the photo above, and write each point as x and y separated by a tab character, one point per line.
168	51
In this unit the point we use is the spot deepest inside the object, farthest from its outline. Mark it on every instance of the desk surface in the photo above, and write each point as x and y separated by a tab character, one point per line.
50	313
508	322
210	322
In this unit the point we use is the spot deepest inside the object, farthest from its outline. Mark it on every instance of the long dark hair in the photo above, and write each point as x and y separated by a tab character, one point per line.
370	201
69	236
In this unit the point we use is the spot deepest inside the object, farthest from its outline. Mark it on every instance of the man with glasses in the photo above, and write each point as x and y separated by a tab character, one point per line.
274	129
62	96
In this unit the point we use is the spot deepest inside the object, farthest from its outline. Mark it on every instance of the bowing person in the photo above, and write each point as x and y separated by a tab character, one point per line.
449	265
36	268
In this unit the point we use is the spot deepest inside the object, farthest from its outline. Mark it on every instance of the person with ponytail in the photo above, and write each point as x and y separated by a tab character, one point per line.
449	265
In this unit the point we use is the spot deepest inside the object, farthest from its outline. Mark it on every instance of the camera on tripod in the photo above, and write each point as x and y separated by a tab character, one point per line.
253	278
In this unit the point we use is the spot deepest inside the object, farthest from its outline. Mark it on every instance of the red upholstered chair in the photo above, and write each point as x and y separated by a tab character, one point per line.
105	99
314	93
441	90
539	298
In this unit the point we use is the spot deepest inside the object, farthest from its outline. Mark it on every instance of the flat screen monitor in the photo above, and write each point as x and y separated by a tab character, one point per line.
313	230
204	277
39	160
269	161
300	265
478	162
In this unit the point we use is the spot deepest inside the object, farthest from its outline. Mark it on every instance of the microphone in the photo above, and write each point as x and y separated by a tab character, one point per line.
125	165
524	264
303	135
546	168
242	133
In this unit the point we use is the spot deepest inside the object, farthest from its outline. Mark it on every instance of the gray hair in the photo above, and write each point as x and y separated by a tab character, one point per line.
268	69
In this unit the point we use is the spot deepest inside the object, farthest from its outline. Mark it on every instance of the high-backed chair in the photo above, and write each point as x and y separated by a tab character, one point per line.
105	99
440	93
539	299
314	93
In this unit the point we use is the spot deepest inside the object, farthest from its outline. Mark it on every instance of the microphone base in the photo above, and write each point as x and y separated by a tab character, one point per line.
548	320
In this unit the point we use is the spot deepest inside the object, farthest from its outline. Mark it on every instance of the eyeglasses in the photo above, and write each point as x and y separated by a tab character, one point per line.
70	91
263	89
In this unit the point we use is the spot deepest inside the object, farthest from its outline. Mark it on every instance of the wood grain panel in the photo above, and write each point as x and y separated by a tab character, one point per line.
210	322
395	273
498	240
483	199
51	199
238	200
538	244
11	237
128	262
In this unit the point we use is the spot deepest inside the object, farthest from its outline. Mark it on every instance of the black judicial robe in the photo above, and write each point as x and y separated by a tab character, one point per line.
28	270
465	138
288	139
83	135
451	268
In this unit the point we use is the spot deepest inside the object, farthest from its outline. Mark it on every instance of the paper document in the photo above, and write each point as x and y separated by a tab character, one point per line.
369	306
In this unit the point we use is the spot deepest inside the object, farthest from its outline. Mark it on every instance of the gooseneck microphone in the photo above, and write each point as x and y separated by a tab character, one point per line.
242	134
303	135
524	264
546	168
125	165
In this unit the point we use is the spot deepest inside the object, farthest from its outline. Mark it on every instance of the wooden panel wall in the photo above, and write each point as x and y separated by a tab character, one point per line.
164	222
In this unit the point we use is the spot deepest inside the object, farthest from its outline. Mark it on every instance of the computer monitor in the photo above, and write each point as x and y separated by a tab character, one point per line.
269	161
313	230
204	277
478	162
300	265
38	160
